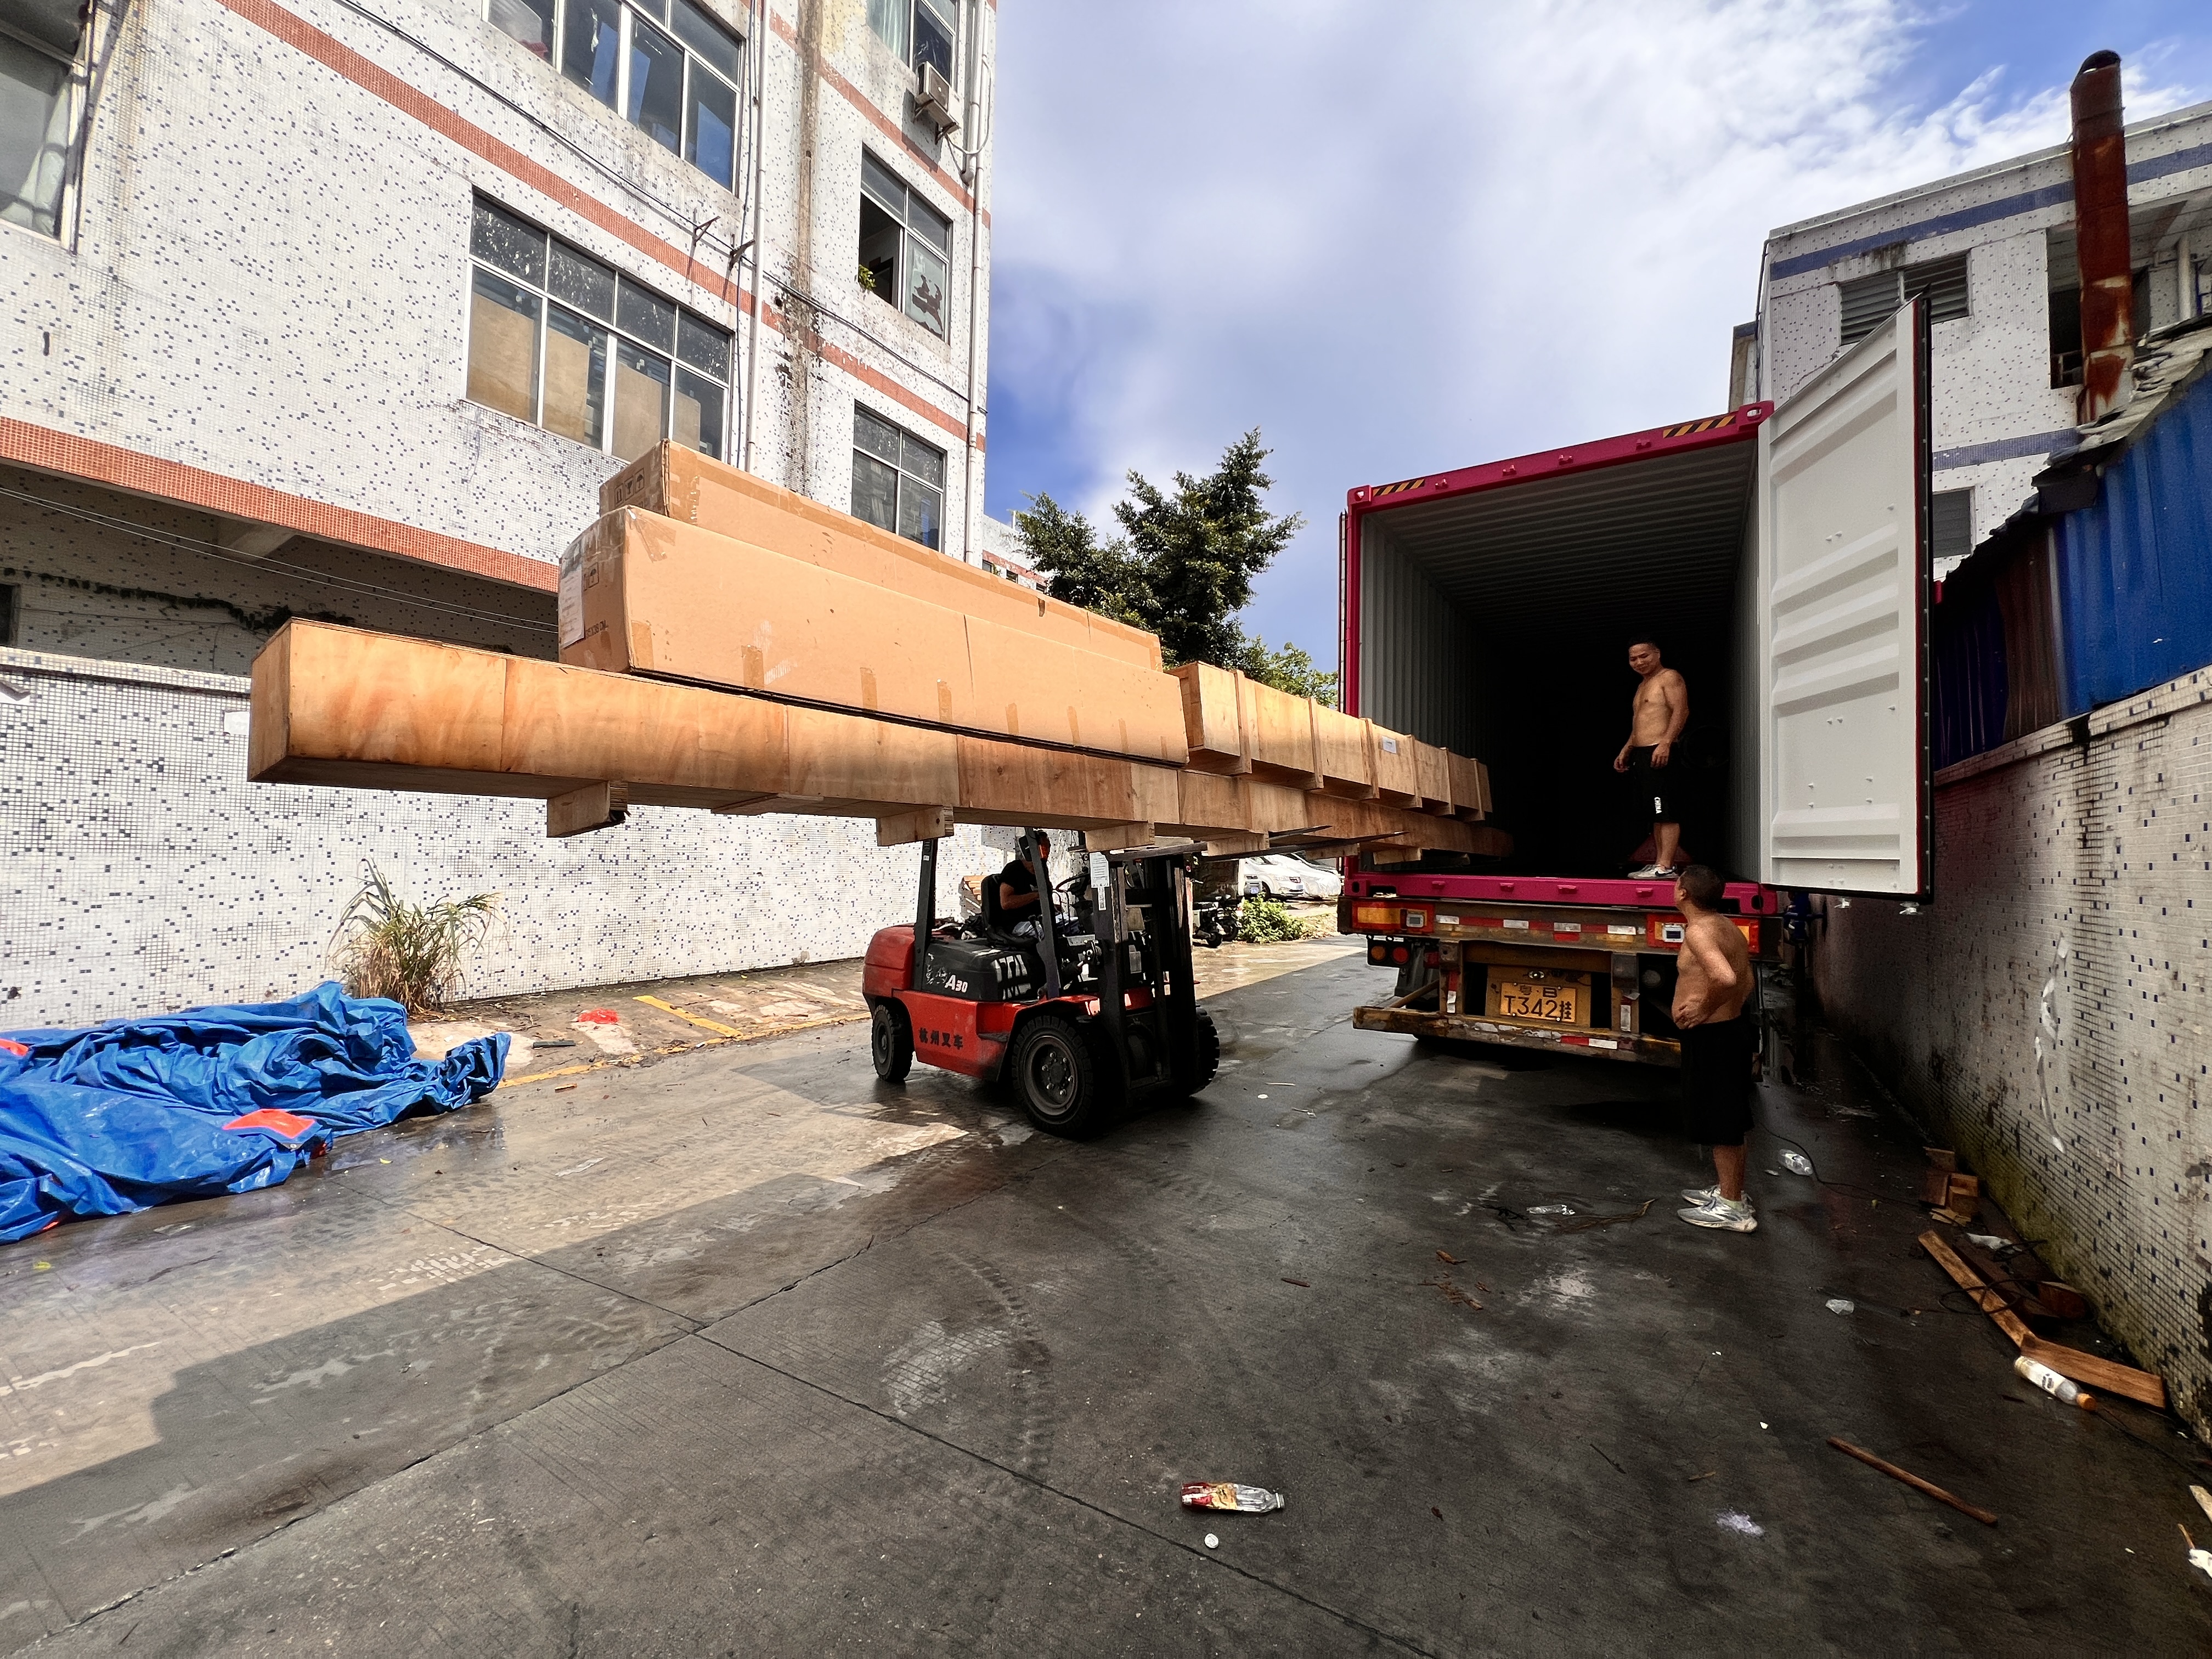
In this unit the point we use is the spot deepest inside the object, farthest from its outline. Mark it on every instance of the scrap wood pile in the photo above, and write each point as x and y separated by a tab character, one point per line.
728	645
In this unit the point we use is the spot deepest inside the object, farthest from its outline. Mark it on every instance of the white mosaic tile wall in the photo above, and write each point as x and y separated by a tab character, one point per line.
140	872
2049	1015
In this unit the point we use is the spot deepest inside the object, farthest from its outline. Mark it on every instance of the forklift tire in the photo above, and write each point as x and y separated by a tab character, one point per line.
891	1041
1057	1077
1209	1052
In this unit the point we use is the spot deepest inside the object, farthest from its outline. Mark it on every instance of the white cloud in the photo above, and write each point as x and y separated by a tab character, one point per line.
1403	236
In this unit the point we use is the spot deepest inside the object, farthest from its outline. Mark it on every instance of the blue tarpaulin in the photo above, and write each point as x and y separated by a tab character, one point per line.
137	1112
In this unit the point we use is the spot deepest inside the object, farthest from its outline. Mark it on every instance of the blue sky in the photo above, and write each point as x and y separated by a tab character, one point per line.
1406	234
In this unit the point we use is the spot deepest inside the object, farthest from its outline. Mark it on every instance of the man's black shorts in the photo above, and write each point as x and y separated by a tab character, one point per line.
1651	783
1716	1080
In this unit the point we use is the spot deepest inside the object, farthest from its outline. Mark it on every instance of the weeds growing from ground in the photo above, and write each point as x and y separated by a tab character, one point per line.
1269	922
416	955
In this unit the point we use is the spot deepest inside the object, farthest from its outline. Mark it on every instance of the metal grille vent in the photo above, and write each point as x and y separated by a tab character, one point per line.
1951	527
1868	300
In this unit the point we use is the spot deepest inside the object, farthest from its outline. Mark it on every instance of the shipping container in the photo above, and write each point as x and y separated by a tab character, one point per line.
1777	554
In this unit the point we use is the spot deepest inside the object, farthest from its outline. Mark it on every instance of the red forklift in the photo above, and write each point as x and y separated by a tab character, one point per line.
1091	1011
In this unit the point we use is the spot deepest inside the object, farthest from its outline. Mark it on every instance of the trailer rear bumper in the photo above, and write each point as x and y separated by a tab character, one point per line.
1464	1028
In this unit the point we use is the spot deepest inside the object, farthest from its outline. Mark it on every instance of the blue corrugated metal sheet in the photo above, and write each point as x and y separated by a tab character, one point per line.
1970	671
2135	569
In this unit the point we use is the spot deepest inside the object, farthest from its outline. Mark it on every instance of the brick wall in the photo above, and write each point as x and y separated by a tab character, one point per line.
2048	1015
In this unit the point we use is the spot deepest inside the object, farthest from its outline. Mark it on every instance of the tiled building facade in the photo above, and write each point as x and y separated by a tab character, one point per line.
347	310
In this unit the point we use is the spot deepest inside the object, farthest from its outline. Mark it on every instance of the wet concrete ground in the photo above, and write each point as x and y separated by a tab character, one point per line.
742	1351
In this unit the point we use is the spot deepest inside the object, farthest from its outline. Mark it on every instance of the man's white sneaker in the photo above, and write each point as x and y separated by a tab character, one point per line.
1729	1215
1699	1195
1646	873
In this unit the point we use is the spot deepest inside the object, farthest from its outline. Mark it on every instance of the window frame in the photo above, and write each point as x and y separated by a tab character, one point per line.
70	104
950	16
629	13
617	336
901	475
902	215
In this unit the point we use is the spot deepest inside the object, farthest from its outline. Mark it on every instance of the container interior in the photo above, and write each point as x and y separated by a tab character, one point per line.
1498	623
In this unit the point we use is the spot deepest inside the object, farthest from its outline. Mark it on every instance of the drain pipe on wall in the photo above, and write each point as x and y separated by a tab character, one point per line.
759	44
2100	227
974	172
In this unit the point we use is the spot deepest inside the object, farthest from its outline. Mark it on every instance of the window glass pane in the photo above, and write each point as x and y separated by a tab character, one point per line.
530	21
656	85
883	183
640	400
888	19
34	136
708	38
924	462
698	413
703	346
876	436
921	509
498	238
575	378
647	315
932	41
925	285
710	142
875	491
929	224
503	346
591	46
879	246
583	283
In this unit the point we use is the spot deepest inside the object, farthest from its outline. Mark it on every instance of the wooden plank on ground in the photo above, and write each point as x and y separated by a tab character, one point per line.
2108	1375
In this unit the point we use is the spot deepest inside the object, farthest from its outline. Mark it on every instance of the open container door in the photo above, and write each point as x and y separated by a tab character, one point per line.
1843	607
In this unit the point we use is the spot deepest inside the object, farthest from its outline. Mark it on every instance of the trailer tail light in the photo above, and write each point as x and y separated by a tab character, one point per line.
1400	954
1416	920
1375	916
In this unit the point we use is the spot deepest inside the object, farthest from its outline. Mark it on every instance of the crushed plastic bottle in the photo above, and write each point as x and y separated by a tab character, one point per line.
1796	1163
2058	1386
1552	1209
1837	1304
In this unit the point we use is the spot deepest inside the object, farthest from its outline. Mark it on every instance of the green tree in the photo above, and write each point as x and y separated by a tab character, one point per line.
1184	565
1098	576
1291	669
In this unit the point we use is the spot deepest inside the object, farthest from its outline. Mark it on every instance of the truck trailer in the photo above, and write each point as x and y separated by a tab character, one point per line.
1779	555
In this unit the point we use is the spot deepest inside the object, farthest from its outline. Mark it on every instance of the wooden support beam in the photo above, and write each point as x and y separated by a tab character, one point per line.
1243	845
923	823
1112	837
595	806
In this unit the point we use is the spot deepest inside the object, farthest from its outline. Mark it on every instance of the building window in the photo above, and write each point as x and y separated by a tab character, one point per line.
917	31
2065	314
906	245
1868	300
898	481
1950	526
11	614
666	64
37	66
560	340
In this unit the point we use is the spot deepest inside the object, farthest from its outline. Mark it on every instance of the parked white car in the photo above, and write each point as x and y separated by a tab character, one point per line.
1285	875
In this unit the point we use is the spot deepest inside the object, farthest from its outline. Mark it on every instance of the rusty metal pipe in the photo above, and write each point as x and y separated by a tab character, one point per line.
2101	221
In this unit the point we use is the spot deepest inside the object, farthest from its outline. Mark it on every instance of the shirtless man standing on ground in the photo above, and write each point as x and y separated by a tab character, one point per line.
1658	714
1713	981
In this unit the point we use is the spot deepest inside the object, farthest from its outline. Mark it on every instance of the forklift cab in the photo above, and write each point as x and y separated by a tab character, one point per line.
1096	1011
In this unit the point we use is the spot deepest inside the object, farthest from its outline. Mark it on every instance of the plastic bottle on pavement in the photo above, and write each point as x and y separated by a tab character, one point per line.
2058	1386
1796	1163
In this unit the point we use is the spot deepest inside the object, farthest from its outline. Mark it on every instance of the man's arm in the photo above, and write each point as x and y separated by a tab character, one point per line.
1720	974
1621	761
1010	898
1677	690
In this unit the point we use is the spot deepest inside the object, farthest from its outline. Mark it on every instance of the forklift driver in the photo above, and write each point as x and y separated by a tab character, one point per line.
1017	892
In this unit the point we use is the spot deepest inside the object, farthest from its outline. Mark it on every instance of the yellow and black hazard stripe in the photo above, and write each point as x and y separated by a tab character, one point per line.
1392	489
1690	428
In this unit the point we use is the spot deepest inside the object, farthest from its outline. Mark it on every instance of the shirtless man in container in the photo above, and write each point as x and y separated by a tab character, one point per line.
1656	714
1713	981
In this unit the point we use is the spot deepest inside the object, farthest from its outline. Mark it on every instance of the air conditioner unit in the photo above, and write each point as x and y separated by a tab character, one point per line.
935	103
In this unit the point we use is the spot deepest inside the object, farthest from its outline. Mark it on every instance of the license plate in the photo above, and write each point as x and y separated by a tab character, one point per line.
1557	1005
